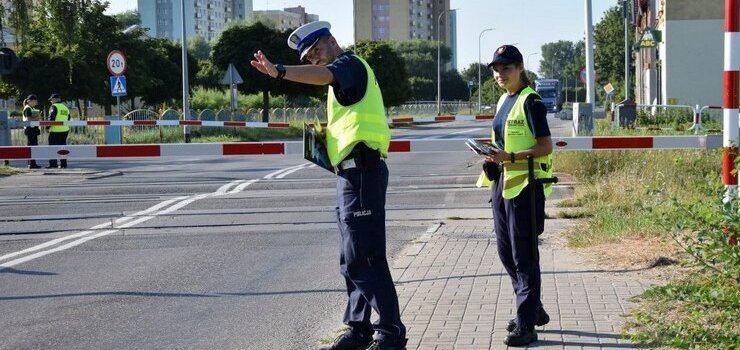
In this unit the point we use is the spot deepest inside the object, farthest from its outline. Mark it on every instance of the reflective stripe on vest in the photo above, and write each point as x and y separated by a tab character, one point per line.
363	121
61	116
519	137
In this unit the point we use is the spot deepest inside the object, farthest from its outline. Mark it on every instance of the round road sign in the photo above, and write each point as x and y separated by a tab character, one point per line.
116	63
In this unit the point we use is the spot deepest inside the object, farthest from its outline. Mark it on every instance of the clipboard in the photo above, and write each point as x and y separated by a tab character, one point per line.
482	148
314	148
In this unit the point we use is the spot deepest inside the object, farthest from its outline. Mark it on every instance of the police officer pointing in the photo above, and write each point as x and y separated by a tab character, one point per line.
519	129
357	140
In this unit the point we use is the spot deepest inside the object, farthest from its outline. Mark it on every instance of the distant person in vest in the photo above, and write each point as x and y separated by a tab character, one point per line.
357	140
30	113
58	133
520	130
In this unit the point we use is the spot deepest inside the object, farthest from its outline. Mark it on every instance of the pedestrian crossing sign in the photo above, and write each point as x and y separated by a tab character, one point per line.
118	85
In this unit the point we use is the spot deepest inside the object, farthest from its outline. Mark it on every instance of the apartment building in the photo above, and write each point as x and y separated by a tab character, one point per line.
406	19
287	18
206	18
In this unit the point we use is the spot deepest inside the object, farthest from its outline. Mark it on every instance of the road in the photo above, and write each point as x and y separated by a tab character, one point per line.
233	253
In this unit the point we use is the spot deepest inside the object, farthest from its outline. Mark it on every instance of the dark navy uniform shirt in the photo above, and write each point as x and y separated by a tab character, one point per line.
536	116
350	79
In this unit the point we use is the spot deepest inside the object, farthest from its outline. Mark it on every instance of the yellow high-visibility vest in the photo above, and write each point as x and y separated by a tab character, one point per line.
34	113
363	121
519	137
61	116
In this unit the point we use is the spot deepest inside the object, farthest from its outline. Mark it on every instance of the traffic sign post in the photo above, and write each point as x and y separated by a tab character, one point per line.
118	89
118	86
116	64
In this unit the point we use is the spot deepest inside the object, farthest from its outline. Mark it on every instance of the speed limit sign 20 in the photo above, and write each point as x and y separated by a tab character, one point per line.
116	63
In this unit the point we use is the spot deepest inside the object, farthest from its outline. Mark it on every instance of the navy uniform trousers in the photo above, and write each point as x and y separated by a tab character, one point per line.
512	224
361	220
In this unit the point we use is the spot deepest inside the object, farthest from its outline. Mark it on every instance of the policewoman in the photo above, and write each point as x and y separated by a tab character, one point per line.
357	140
519	129
58	133
30	113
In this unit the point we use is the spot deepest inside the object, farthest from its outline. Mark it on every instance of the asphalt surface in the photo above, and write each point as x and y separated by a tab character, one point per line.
232	253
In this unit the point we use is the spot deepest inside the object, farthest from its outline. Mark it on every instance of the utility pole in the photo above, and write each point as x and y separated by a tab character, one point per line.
590	89
185	87
625	11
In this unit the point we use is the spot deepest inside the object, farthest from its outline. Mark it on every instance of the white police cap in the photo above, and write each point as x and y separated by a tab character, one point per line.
303	38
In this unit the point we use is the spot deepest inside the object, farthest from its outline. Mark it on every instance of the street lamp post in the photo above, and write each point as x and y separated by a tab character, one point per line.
185	87
439	85
528	56
480	83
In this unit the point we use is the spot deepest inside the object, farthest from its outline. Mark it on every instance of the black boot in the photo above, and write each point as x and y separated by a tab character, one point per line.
388	345
542	319
349	340
521	337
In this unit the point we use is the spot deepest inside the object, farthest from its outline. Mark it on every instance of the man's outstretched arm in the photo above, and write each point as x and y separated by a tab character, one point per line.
307	74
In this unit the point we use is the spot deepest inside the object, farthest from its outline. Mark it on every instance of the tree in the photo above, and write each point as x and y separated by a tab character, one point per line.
237	45
421	65
19	17
471	73
209	76
389	70
609	52
199	47
165	66
454	88
128	18
559	58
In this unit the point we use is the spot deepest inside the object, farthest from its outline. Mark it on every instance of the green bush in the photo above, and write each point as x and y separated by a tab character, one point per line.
217	99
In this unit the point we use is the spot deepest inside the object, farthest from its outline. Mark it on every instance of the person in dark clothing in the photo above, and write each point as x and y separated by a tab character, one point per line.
520	131
58	133
30	113
357	140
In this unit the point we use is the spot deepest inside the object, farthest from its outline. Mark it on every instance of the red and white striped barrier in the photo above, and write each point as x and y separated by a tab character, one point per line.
296	147
238	124
207	123
440	119
731	101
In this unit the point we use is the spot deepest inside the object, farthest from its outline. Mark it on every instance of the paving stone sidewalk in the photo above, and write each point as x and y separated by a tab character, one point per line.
455	294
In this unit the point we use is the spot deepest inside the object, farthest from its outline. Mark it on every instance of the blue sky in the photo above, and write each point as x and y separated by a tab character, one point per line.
530	23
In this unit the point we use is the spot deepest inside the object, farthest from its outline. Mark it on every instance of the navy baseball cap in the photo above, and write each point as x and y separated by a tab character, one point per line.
307	35
506	54
31	97
55	96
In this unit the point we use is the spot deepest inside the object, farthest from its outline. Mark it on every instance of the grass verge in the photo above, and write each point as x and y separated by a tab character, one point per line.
207	135
667	202
7	171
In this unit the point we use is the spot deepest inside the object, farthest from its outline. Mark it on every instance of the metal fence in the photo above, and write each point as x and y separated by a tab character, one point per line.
96	134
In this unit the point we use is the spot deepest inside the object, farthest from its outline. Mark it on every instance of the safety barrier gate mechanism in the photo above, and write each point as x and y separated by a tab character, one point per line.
296	147
237	124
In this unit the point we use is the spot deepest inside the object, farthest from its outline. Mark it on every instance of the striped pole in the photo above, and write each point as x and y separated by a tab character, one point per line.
731	102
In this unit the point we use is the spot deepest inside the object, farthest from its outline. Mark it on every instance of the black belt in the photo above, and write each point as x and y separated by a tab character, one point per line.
361	157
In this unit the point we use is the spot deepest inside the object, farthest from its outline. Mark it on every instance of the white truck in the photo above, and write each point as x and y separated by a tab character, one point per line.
550	91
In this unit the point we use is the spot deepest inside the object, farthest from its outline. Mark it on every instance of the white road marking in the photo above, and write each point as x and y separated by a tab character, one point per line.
169	206
241	187
93	229
278	172
288	172
223	189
